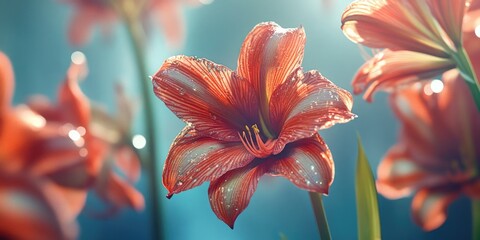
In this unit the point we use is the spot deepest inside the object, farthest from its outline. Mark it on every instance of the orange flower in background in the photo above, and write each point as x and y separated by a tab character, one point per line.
31	208
472	18
101	138
437	154
88	13
113	133
261	119
422	38
38	164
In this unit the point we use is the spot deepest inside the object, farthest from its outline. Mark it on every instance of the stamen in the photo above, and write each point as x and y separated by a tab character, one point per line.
256	146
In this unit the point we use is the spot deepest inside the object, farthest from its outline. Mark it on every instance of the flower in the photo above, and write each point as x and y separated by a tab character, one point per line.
437	154
101	139
113	133
42	183
261	119
33	209
422	40
104	12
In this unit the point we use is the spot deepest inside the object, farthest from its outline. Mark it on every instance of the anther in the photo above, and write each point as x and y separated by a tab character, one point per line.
254	143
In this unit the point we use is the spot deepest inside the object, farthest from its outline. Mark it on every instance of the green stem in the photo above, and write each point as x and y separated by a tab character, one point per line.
320	216
468	73
475	219
136	36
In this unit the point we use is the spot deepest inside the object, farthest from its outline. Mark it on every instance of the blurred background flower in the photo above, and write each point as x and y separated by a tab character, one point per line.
436	157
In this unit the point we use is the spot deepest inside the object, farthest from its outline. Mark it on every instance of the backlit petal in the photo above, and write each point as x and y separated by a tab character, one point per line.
209	96
231	193
6	82
449	15
194	159
307	163
429	208
398	25
307	103
389	69
269	55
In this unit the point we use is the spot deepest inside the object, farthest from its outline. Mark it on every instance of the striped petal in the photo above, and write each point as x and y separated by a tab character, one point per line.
211	97
408	24
449	15
307	163
390	69
307	103
429	208
269	55
230	194
194	159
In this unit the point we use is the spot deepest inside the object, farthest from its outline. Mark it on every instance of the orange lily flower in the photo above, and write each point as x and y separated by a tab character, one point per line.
437	154
90	12
101	139
31	208
261	119
39	164
423	39
113	131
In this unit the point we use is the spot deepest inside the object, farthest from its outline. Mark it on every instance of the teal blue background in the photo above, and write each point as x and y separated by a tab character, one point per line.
34	35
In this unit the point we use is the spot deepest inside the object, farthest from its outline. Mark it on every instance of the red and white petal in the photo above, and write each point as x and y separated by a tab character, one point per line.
365	22
307	163
194	159
6	82
32	209
209	96
391	69
450	16
429	208
306	104
269	55
230	194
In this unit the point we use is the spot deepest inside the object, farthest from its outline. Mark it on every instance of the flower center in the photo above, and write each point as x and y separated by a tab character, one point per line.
255	144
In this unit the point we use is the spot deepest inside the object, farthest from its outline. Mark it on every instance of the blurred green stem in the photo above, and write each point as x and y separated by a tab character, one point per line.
320	216
136	34
475	219
464	65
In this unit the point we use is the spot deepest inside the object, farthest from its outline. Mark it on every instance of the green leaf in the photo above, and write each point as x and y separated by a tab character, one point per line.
476	219
367	203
